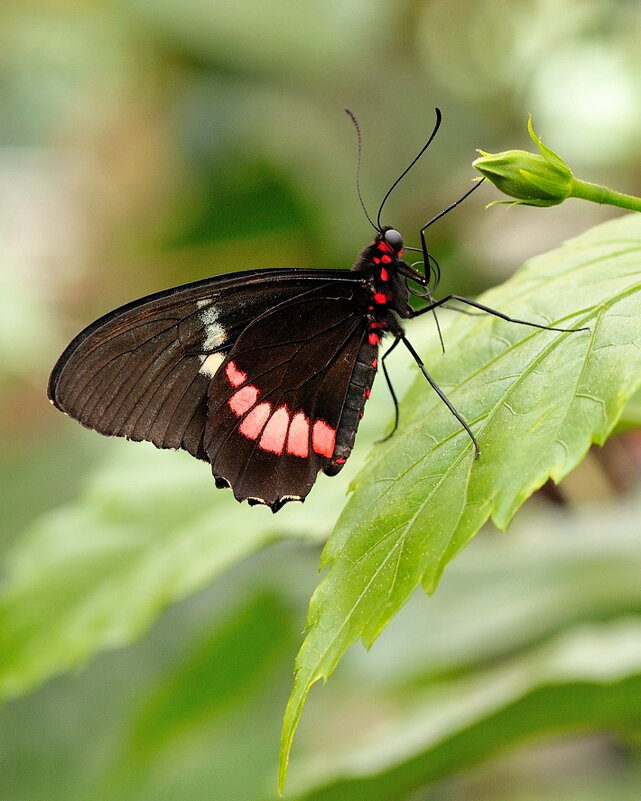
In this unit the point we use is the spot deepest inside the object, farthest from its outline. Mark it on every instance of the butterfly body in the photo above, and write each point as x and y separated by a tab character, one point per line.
264	374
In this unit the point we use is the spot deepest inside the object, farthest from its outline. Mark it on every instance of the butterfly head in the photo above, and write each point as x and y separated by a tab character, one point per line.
387	245
385	251
392	237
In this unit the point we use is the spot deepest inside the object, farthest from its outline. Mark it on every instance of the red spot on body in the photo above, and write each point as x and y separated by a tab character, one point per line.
375	363
384	274
368	392
376	260
253	424
243	399
323	438
378	324
374	339
340	461
361	415
386	259
400	252
235	376
384	247
275	432
298	439
380	297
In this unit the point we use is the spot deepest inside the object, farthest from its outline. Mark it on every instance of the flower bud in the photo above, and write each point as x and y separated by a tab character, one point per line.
535	180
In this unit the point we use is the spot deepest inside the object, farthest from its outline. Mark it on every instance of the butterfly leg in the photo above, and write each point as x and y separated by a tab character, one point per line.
391	388
440	392
489	310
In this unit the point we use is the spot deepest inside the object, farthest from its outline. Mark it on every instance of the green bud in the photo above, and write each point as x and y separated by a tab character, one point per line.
535	180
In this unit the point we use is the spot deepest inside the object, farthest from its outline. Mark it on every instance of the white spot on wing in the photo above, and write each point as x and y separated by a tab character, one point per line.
211	364
215	334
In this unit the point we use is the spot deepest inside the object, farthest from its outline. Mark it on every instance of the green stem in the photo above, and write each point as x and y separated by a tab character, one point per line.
601	194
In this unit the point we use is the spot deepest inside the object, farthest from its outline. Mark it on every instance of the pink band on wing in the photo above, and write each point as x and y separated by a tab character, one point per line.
235	376
298	439
323	438
274	433
253	424
243	399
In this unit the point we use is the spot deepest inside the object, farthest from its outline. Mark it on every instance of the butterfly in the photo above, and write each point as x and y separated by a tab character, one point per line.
264	373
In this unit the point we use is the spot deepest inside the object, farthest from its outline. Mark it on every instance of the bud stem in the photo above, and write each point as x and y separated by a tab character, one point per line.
601	194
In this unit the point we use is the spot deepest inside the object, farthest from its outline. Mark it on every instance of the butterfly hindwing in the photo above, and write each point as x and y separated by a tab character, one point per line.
275	405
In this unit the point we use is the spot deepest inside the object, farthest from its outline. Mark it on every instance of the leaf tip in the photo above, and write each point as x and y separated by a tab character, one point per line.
293	712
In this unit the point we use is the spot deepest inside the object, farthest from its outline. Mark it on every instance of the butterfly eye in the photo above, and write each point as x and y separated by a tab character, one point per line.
394	239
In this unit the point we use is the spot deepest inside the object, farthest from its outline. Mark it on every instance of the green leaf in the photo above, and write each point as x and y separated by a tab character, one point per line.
498	603
536	400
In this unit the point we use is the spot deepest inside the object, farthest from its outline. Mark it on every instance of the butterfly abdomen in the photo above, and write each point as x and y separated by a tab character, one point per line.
357	394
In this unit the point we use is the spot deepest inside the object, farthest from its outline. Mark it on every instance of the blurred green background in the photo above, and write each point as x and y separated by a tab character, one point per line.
145	143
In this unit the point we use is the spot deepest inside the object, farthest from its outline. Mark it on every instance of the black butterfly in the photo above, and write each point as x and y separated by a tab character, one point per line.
264	374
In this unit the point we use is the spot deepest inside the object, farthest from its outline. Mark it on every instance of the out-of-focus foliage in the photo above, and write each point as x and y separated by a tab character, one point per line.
151	142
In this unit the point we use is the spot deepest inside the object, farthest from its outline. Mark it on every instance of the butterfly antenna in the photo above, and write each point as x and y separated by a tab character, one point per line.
358	168
409	167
